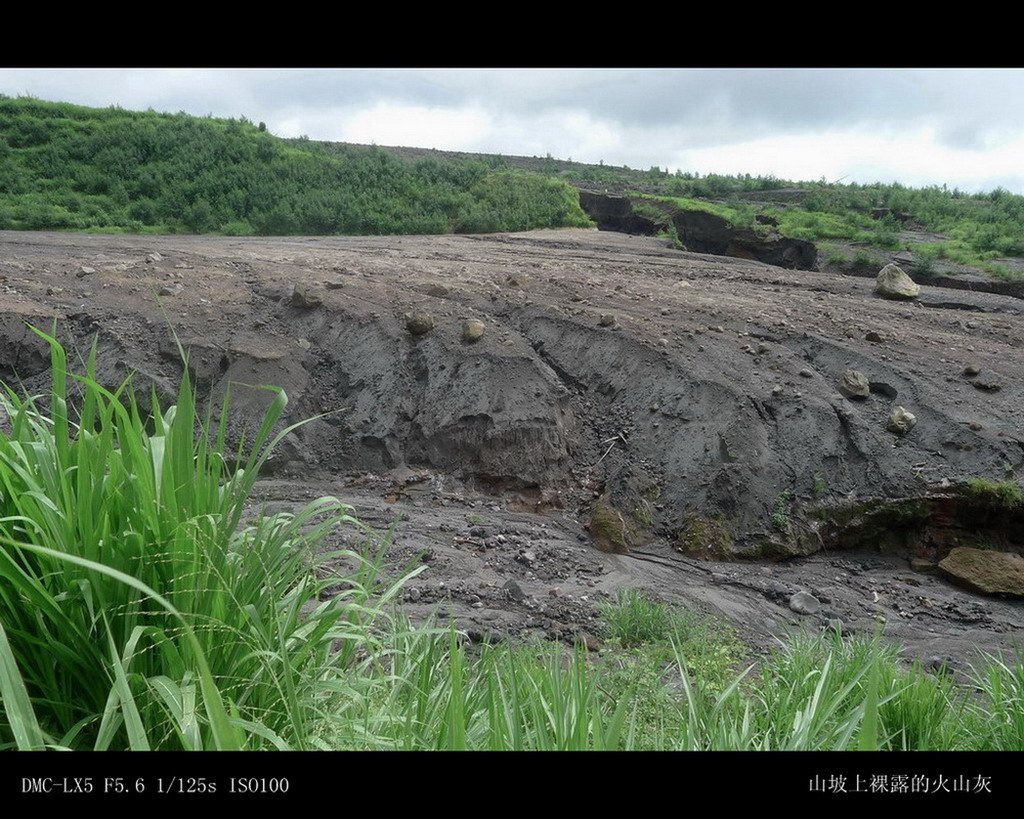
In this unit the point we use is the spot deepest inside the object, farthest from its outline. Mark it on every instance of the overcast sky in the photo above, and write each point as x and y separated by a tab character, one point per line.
960	127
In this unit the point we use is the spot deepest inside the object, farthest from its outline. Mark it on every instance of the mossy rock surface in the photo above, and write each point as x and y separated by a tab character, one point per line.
610	529
705	538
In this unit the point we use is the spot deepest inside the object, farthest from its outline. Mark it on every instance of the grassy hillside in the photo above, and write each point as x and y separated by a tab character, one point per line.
69	167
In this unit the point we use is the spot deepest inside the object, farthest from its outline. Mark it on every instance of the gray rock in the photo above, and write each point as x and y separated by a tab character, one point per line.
972	370
606	320
171	289
893	283
804	603
84	271
875	336
419	323
514	590
305	297
473	330
986	571
854	384
900	421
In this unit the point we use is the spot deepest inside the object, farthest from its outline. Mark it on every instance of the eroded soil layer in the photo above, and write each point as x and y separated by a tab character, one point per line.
623	394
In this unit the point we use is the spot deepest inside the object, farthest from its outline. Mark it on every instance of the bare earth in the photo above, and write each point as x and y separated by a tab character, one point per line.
668	387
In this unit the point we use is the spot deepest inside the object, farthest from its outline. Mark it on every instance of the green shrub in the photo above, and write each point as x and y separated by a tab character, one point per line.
924	265
780	510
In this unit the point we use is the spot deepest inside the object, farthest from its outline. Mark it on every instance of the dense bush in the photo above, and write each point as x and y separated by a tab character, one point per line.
180	173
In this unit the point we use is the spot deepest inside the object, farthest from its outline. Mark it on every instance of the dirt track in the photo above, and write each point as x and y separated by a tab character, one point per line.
664	389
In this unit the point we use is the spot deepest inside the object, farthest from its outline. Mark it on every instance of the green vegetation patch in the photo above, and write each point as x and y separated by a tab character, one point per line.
137	609
68	167
1004	494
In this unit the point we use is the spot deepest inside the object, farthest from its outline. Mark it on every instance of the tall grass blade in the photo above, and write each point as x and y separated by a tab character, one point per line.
17	705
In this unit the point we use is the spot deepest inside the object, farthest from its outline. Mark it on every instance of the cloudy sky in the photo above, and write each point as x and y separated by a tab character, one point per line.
960	127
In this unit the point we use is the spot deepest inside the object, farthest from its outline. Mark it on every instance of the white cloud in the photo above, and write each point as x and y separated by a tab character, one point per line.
913	158
416	126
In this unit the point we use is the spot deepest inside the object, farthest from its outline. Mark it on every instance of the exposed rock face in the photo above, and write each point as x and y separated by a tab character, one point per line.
893	283
854	384
985	571
704	232
900	421
616	213
689	438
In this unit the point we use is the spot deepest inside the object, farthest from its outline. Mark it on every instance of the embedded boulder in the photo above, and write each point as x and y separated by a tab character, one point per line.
854	384
900	421
419	323
472	330
988	382
986	571
305	297
893	283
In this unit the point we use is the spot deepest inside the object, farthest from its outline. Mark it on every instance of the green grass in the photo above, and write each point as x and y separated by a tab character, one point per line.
136	609
1004	273
1002	494
738	215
